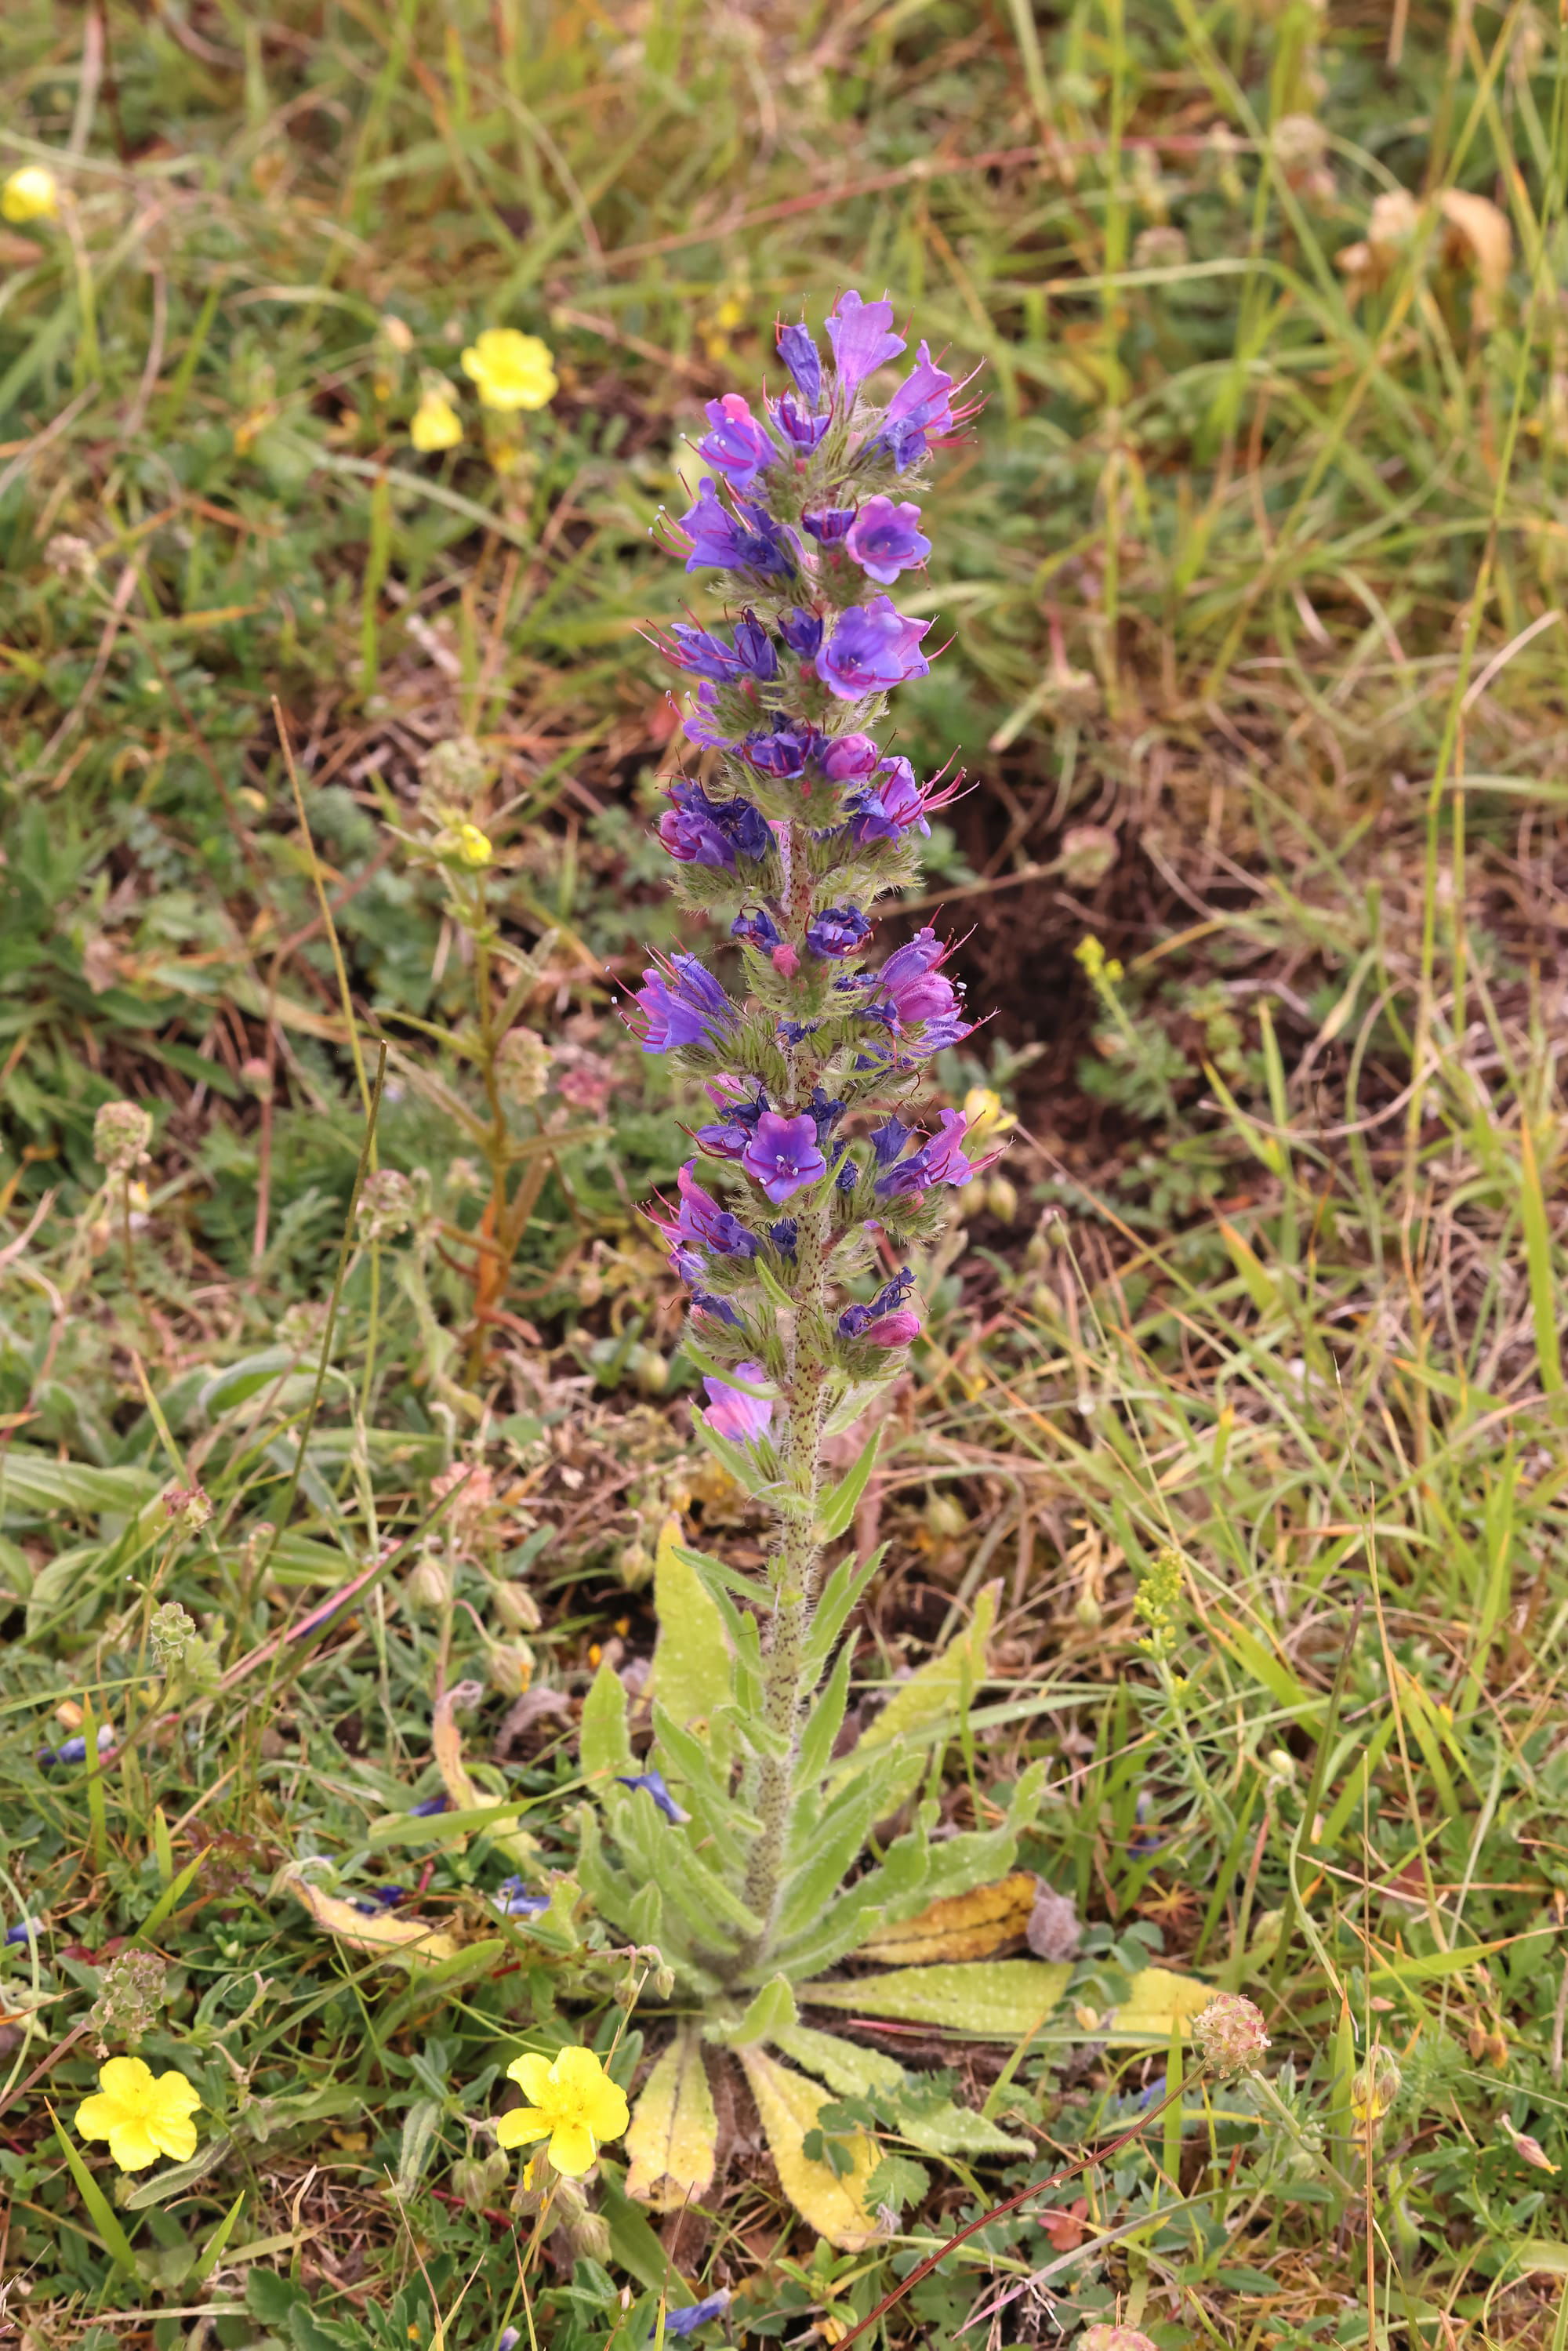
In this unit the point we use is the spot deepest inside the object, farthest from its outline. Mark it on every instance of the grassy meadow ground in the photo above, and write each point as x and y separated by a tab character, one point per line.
1254	573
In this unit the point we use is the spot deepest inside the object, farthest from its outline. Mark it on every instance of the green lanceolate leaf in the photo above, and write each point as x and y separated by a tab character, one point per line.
843	1926
839	1508
611	1893
605	1744
824	1723
691	1658
772	2008
715	1571
932	1697
421	2128
997	2000
706	1796
938	2127
979	1856
840	1593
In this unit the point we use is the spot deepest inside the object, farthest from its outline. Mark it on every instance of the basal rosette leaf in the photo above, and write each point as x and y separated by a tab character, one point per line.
673	2140
790	2105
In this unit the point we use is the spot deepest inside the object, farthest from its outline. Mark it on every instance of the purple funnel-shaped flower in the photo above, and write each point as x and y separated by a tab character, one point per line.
783	1155
700	832
920	411
742	1418
886	539
803	360
746	540
802	632
860	333
872	649
837	931
686	1006
737	446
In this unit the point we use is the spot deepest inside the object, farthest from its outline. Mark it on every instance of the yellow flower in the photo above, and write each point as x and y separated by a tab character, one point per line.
572	2102
32	193
435	423
984	1116
512	370
471	846
142	2114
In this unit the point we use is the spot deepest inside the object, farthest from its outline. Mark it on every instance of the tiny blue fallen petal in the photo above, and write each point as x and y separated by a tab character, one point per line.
653	1781
696	2313
509	2340
25	1931
74	1750
514	1901
377	1898
429	1809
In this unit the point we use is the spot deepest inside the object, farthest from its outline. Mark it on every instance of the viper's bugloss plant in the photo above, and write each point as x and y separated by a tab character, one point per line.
816	1177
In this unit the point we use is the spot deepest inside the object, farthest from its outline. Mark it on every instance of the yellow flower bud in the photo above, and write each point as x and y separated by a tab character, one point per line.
511	370
435	423
466	845
29	194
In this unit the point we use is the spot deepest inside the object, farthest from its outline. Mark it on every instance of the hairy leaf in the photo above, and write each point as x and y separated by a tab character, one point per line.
673	2140
790	2107
960	1926
997	2000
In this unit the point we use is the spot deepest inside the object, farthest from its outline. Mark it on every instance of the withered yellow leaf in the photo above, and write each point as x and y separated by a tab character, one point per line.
959	1925
413	1941
1480	228
673	2140
508	1836
1158	2000
1001	2000
790	2107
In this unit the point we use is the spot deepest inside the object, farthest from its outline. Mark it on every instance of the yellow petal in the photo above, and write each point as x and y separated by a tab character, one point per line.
173	2095
522	2127
125	2077
571	2149
532	2075
98	2115
132	2144
172	2134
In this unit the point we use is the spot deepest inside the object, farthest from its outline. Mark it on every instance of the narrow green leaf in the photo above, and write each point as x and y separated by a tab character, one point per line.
117	2244
838	1512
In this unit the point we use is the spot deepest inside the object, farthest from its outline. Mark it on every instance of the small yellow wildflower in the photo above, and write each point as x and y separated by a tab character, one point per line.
511	370
29	194
1098	965
984	1117
142	2114
472	846
435	423
573	2102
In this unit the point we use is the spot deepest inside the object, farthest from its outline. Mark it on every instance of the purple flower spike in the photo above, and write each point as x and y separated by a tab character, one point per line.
886	539
739	447
861	340
837	931
687	1006
783	1155
804	361
742	1418
873	650
746	540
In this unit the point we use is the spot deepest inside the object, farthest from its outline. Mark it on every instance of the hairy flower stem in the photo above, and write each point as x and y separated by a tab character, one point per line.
784	1691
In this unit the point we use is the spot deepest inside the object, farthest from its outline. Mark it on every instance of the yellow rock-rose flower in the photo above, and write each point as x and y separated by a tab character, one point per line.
435	423
573	2102
31	193
511	370
142	2114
